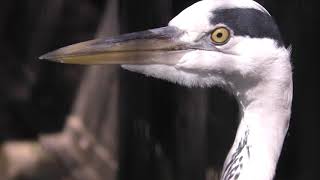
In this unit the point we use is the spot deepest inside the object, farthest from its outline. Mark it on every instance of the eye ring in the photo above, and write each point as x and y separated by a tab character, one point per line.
220	35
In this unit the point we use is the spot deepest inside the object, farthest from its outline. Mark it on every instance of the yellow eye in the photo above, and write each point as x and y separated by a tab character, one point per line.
220	35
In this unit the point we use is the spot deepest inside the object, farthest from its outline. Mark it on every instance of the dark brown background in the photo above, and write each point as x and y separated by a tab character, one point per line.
35	96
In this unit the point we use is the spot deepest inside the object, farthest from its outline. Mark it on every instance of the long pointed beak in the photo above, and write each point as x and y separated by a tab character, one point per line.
155	46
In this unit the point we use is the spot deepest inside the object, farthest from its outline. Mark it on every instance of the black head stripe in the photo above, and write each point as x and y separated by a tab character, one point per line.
248	22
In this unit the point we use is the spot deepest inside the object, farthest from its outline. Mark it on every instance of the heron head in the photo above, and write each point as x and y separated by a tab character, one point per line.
211	42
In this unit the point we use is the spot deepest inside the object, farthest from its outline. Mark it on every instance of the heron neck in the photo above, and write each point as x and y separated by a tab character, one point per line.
265	114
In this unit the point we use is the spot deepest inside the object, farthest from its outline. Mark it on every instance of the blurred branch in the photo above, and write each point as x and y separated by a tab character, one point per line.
91	130
27	160
87	148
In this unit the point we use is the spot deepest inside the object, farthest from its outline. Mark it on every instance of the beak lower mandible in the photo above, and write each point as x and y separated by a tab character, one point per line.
155	46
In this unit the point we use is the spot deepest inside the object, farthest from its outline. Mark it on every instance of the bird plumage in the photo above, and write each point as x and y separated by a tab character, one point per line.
252	63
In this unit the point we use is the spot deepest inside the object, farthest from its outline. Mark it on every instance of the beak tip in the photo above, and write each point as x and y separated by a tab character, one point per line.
43	57
50	57
47	56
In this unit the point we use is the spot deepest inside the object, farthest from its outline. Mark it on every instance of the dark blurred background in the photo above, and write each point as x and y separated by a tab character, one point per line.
36	96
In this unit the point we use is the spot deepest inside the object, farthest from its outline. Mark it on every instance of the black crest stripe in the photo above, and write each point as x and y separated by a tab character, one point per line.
248	22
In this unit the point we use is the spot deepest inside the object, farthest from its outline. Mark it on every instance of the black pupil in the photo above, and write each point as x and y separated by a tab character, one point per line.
219	35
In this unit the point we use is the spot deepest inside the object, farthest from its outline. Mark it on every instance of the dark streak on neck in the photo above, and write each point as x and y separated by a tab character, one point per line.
233	168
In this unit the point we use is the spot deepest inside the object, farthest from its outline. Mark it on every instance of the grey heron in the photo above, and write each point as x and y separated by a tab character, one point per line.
234	44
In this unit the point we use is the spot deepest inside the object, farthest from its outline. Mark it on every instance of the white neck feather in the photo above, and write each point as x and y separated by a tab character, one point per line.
265	111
